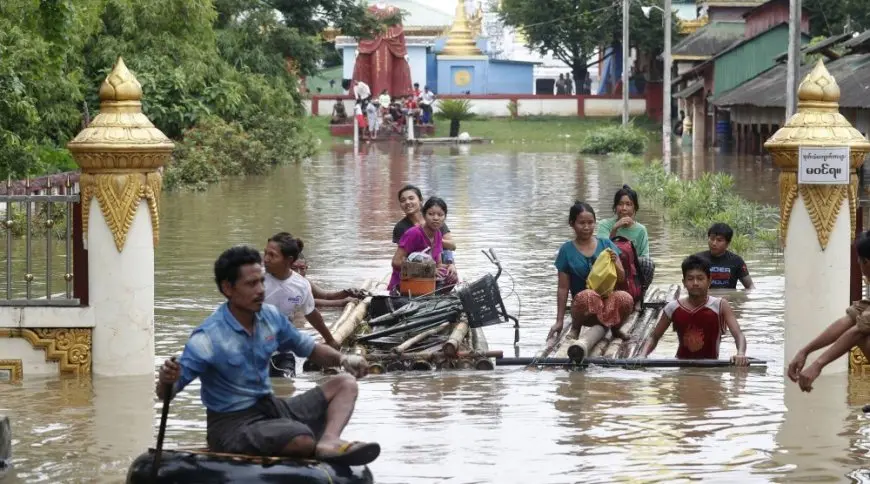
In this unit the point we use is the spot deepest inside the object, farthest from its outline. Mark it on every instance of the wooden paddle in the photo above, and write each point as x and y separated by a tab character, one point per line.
167	396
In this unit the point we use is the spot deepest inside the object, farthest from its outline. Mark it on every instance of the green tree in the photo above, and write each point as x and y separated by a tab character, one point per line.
573	29
833	17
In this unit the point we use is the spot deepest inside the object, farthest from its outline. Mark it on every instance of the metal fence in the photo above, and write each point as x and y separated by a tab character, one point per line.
40	222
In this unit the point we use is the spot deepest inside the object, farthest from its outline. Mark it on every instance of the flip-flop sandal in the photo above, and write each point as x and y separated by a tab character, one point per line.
353	454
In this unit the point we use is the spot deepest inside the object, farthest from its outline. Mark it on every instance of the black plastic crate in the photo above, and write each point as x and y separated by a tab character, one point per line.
482	303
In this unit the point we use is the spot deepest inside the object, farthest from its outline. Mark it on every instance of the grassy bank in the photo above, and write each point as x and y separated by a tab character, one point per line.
694	205
525	130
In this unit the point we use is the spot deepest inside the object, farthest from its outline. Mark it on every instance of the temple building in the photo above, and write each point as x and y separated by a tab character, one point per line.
471	51
449	53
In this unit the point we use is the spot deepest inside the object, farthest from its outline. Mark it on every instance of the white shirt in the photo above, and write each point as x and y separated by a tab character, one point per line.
427	97
291	295
361	90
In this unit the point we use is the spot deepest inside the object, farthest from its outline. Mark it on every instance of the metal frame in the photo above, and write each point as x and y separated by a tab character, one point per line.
65	298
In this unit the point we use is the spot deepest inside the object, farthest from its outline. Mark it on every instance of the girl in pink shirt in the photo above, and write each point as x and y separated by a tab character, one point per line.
422	237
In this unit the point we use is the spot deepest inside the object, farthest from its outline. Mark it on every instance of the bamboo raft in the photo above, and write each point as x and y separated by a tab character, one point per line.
441	341
597	342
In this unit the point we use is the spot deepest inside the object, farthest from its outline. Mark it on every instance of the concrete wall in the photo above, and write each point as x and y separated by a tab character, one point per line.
33	361
529	105
452	70
511	77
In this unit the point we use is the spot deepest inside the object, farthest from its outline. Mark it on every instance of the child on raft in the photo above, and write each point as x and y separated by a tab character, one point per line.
574	263
698	318
842	335
726	267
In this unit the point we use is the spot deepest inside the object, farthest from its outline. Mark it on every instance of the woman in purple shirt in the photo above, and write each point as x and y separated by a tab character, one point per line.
421	237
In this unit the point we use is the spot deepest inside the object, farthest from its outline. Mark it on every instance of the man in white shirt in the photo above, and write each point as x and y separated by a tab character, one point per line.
427	99
361	91
286	289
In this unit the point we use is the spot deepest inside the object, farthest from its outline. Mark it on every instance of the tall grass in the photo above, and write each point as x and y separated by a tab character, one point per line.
694	205
615	139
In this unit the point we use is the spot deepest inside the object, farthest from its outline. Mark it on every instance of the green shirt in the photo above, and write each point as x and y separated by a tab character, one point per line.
636	234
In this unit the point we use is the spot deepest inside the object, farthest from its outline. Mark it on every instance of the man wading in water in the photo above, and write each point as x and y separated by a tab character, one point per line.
842	335
229	352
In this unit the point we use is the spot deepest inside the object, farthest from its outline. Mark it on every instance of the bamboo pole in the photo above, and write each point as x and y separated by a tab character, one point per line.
349	307
627	328
478	340
420	337
348	326
644	330
454	342
585	342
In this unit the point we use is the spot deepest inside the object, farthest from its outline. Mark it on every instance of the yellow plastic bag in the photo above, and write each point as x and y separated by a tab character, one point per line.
602	277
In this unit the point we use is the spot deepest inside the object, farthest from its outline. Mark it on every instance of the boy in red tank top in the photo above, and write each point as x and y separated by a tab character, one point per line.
698	318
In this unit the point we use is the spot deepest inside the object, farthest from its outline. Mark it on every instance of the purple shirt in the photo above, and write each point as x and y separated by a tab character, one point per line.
415	240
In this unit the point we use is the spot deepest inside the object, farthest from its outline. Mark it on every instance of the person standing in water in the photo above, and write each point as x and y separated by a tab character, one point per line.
574	263
726	267
698	318
842	335
286	289
626	206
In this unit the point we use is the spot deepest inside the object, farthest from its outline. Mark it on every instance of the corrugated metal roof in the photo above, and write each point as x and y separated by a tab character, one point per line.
709	39
852	73
692	89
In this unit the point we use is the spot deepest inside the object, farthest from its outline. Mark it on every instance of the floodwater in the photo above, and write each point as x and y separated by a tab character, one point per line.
510	425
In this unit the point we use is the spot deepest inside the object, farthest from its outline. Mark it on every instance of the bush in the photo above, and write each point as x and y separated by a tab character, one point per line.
454	109
615	139
694	205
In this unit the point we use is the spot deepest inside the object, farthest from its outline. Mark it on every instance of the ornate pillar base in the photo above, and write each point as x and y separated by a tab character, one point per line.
816	280
121	285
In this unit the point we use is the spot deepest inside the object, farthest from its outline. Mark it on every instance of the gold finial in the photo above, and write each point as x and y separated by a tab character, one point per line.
120	85
120	153
819	87
460	40
816	124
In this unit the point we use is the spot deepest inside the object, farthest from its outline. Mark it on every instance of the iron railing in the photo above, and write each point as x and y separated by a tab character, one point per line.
31	213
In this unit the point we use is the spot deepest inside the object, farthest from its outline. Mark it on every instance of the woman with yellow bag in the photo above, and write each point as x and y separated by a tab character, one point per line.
589	267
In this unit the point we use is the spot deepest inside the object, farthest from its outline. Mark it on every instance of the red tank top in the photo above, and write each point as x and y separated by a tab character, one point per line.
699	329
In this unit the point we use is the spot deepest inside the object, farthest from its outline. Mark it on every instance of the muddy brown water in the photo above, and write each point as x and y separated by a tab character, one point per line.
510	425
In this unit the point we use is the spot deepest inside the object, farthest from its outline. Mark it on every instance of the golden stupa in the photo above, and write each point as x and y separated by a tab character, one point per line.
460	39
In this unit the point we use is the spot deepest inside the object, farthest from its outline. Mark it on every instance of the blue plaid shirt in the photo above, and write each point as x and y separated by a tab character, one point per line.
234	365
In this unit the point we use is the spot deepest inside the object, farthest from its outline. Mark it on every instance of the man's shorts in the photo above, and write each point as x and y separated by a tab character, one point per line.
269	425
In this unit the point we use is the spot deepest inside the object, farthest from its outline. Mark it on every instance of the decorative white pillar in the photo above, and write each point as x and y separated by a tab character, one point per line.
817	207
120	154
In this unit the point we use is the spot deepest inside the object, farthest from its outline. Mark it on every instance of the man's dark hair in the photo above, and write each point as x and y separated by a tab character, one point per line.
862	245
721	229
227	266
289	245
695	263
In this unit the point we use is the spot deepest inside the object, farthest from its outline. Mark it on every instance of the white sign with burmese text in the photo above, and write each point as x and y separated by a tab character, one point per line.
823	165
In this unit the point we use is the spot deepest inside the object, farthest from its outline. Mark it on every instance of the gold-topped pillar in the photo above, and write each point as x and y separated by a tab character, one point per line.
461	65
120	154
818	152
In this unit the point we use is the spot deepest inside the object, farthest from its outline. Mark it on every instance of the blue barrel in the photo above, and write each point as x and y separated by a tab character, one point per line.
723	132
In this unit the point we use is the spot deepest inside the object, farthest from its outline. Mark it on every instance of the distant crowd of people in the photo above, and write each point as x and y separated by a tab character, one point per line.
565	86
385	111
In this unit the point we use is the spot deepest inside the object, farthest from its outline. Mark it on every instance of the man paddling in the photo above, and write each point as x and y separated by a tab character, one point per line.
842	335
699	319
229	352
